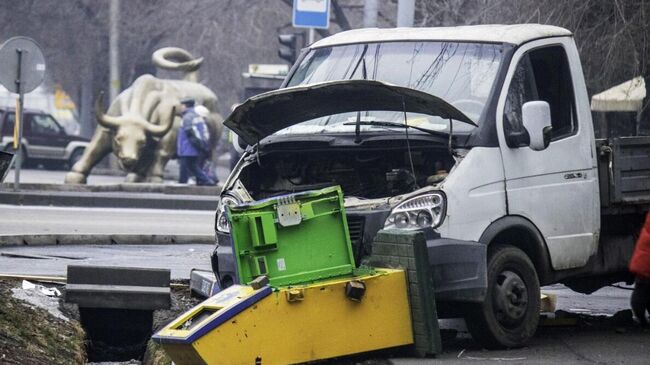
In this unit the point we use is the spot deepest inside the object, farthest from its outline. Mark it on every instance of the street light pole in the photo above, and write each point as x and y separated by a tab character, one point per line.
405	13
370	14
311	37
113	49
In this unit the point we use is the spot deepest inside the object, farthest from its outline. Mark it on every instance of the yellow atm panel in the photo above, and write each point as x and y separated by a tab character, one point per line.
241	325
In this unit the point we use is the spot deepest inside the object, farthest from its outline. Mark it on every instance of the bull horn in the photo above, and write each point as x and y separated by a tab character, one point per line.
104	120
159	130
176	59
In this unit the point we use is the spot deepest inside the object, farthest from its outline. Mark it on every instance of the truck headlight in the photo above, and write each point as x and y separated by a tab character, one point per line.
221	222
422	211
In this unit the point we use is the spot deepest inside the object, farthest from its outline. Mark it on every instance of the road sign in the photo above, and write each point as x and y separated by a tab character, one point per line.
311	14
32	65
23	70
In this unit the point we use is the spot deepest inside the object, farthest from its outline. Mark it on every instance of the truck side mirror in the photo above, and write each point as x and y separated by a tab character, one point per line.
536	117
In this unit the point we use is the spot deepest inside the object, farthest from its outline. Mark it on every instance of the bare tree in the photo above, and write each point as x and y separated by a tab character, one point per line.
611	34
229	34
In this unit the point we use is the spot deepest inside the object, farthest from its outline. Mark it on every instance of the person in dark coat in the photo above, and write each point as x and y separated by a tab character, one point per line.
187	147
640	267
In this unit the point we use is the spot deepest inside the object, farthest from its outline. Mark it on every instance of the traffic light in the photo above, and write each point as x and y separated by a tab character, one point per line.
290	45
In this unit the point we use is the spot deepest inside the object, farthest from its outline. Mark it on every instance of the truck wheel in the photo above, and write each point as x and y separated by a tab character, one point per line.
509	315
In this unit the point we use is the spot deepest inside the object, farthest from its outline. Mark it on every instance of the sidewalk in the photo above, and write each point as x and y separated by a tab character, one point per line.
46	188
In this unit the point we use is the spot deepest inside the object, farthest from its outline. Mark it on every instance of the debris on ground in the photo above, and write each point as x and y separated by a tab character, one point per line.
40	297
50	292
587	319
31	334
548	302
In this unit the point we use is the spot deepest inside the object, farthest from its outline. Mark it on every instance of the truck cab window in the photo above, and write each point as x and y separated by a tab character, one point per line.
522	89
542	74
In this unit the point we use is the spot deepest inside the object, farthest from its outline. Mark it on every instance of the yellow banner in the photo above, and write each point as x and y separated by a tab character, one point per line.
17	125
61	99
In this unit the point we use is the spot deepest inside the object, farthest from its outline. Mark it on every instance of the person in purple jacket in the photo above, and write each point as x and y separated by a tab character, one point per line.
189	147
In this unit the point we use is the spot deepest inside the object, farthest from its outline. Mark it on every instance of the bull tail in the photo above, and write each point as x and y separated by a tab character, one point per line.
178	59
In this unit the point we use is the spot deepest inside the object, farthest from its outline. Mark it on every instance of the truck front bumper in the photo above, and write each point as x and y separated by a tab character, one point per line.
459	268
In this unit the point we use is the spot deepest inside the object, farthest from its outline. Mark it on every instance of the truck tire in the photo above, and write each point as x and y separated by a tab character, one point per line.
509	315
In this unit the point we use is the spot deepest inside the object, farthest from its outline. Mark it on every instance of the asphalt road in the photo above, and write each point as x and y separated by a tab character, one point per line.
580	344
594	339
16	220
54	260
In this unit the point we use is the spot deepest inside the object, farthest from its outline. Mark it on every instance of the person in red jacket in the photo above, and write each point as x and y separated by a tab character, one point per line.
640	267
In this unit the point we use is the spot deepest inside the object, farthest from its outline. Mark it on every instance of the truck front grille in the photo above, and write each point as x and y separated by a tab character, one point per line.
355	226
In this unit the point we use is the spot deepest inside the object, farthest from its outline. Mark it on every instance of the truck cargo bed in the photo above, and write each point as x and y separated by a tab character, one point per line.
624	174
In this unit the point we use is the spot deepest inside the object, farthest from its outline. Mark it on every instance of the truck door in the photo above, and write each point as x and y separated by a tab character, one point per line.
557	188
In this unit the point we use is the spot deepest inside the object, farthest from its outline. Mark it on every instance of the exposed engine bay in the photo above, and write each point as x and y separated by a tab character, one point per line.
361	171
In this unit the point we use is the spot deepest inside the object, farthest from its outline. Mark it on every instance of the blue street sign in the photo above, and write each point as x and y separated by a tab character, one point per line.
311	13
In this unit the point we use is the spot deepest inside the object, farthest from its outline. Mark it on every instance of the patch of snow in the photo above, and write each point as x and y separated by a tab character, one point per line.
39	300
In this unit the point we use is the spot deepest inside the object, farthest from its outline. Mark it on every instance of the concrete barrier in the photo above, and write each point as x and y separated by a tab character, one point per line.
118	287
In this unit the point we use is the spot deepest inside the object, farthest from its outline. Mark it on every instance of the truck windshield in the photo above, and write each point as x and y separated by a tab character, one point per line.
460	73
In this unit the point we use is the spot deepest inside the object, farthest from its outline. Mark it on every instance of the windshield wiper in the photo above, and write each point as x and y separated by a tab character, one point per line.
398	125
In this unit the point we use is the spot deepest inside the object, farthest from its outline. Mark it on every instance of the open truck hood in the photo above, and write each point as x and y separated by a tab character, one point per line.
267	113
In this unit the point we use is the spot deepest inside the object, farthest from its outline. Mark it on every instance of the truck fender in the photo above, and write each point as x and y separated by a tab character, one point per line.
522	233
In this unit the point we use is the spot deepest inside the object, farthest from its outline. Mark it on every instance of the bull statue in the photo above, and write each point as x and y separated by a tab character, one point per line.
140	126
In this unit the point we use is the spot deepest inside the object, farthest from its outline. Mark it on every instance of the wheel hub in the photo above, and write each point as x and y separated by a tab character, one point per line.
510	299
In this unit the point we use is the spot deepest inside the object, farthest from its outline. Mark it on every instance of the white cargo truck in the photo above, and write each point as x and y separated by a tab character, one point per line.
479	136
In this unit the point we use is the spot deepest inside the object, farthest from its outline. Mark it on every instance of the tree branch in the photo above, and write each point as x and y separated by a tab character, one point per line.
341	19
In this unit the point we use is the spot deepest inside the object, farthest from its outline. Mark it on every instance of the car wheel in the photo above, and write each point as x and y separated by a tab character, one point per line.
26	162
75	156
509	315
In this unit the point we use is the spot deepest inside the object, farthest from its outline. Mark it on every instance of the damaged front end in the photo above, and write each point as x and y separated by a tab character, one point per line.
391	177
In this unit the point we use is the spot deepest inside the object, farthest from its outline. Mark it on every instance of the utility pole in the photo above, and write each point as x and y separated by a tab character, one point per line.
311	36
114	55
405	13
370	11
113	59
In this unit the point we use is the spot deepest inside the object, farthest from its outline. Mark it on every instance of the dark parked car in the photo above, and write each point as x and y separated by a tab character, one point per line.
44	140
